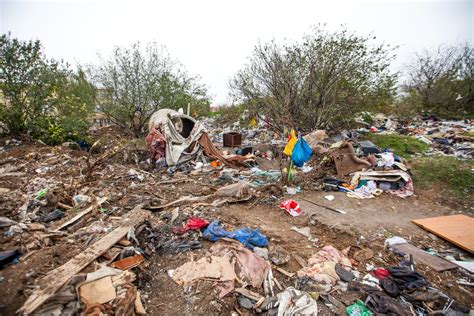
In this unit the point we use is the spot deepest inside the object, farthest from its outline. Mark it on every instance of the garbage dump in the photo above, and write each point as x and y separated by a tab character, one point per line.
233	219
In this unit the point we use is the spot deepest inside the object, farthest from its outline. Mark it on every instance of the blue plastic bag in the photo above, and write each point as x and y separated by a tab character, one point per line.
301	152
249	238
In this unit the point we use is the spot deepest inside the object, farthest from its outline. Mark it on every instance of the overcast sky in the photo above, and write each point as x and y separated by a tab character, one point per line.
214	38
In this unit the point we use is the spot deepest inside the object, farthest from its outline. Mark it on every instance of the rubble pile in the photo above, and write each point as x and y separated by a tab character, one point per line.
190	226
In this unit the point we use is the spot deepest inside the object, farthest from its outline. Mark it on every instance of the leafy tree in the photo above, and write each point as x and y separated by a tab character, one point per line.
39	96
136	82
442	81
318	82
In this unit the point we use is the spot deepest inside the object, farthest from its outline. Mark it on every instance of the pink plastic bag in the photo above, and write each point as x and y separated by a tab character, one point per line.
291	207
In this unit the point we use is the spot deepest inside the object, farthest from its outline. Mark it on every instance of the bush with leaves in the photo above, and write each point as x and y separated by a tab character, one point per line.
442	81
136	82
319	82
41	97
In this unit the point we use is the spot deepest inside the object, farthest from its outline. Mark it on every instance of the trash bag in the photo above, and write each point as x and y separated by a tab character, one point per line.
301	153
292	139
249	238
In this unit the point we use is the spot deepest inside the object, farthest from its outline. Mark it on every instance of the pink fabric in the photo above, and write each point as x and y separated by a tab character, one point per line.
156	144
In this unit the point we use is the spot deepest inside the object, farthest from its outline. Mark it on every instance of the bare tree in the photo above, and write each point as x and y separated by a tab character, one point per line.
443	79
318	82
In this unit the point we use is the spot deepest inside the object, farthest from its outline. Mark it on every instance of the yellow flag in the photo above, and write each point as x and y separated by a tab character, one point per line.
291	143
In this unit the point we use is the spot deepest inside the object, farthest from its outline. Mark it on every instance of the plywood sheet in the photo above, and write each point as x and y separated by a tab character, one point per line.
421	256
458	229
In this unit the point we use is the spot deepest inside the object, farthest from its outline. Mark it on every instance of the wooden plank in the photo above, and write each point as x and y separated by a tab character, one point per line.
457	229
80	214
421	256
56	278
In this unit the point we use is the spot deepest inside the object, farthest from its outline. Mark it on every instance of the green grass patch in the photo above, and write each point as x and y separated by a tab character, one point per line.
401	145
446	173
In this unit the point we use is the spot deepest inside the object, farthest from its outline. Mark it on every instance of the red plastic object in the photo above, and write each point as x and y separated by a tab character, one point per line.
196	223
291	207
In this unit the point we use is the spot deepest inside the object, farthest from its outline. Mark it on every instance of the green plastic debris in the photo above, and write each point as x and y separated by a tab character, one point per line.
358	309
41	194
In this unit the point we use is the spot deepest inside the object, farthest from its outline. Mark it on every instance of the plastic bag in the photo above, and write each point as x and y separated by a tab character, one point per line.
292	139
358	309
291	207
249	238
301	153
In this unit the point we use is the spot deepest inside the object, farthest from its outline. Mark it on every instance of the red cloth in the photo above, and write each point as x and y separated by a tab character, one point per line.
196	223
380	273
156	144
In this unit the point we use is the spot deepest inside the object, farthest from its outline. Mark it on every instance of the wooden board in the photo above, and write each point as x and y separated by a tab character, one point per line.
421	256
458	229
56	278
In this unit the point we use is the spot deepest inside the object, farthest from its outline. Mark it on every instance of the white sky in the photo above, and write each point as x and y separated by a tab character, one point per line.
214	38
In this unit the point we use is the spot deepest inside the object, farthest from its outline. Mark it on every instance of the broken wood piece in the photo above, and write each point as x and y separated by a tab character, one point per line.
283	271
128	262
249	294
300	260
188	198
277	283
124	242
81	214
172	181
139	309
65	206
112	253
421	256
324	206
55	279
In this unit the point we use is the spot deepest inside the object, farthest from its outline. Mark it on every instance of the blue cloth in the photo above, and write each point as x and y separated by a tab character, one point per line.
249	238
301	152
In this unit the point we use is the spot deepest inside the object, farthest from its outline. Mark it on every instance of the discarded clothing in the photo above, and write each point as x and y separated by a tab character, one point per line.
235	190
179	246
251	268
291	207
380	303
380	273
367	190
402	278
249	238
322	265
294	302
156	144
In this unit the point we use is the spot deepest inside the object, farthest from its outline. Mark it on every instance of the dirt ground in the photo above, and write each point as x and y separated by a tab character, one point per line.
366	224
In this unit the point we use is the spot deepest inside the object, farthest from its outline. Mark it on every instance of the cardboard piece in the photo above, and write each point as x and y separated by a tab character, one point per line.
98	292
457	229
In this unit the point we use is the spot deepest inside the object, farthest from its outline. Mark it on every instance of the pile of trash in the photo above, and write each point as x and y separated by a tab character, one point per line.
175	138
